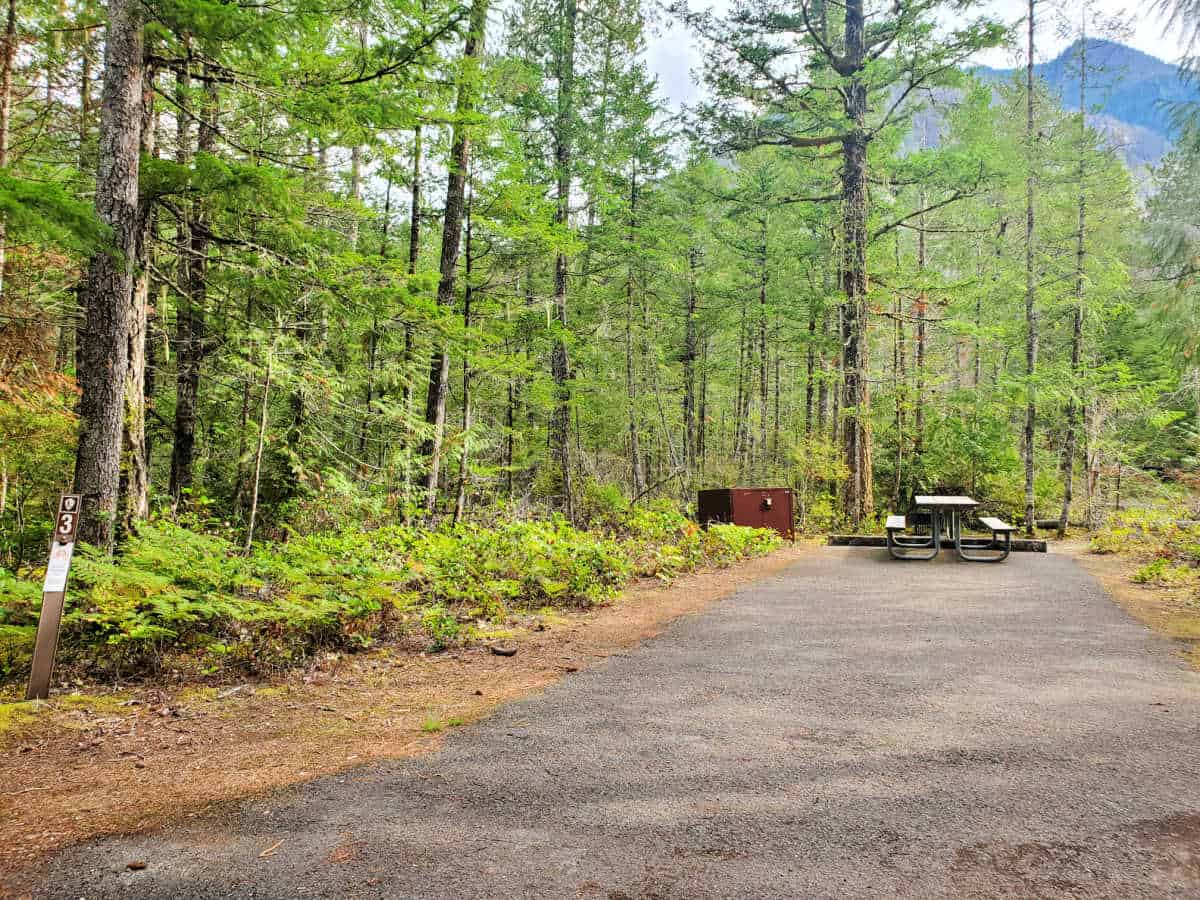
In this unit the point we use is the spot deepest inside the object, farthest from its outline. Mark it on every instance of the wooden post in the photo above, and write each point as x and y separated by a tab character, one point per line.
54	592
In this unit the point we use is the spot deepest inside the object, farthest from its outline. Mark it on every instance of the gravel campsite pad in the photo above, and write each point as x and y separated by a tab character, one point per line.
848	727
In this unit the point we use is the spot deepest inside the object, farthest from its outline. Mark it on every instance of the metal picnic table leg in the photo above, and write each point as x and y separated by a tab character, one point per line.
1001	554
903	548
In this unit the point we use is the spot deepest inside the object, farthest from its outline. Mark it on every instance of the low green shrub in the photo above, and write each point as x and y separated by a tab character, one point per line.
441	625
192	597
1165	540
16	650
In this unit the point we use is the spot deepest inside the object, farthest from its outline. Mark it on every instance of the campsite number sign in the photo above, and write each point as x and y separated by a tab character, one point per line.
54	592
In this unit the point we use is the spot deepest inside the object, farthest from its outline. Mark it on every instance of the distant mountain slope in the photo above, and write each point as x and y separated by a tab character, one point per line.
1128	94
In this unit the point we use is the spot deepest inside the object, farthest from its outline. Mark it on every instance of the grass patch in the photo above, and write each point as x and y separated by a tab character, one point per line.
198	695
1158	550
98	704
15	716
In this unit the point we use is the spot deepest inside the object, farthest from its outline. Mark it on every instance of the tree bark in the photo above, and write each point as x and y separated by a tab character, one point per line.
763	360
810	365
108	283
439	369
637	480
8	59
464	469
258	453
1031	318
191	319
702	413
136	481
920	351
563	146
689	367
856	391
414	254
1068	461
373	334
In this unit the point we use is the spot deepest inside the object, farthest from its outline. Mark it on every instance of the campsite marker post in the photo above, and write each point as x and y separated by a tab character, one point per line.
54	592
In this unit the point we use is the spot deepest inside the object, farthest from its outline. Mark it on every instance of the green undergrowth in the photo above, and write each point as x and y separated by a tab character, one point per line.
182	599
1165	542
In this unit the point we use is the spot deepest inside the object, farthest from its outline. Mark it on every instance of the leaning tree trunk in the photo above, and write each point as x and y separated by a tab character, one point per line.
108	283
439	369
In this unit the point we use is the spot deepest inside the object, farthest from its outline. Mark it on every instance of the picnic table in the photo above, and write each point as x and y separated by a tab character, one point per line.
946	517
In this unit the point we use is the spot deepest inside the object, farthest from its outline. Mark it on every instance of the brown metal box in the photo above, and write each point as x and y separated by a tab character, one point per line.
754	507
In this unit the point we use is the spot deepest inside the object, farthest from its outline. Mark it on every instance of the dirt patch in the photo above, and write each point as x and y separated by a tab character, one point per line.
1162	854
1031	869
1170	611
84	767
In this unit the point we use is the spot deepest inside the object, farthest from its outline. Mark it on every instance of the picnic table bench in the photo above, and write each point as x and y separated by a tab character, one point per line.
946	515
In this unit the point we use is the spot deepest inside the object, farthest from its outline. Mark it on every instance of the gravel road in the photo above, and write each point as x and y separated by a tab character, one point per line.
853	727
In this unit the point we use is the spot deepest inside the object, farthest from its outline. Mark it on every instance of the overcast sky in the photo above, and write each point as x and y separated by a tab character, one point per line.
673	54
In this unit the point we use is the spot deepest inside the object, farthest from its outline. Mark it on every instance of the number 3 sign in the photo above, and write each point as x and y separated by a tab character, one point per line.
54	591
68	519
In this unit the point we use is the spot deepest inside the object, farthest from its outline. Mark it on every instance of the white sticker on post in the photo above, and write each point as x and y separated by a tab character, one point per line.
56	569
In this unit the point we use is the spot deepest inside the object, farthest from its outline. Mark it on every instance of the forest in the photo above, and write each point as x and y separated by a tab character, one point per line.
278	276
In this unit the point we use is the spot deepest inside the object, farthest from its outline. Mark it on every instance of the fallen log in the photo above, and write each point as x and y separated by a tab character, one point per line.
1019	545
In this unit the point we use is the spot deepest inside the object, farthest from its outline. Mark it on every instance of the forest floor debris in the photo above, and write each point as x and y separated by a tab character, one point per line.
113	763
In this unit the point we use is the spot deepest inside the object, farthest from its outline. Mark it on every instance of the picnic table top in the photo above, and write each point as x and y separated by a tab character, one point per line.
944	500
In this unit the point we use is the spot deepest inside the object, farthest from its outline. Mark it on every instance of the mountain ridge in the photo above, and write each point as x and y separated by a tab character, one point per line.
1129	93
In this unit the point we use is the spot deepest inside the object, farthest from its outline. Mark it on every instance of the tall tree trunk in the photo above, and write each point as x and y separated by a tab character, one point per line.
810	368
763	361
414	254
373	334
108	283
856	391
899	384
775	419
702	413
464	469
258	452
563	146
637	480
354	193
414	227
439	369
136	481
8	60
920	352
191	318
823	381
1031	319
1068	461
689	367
739	420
